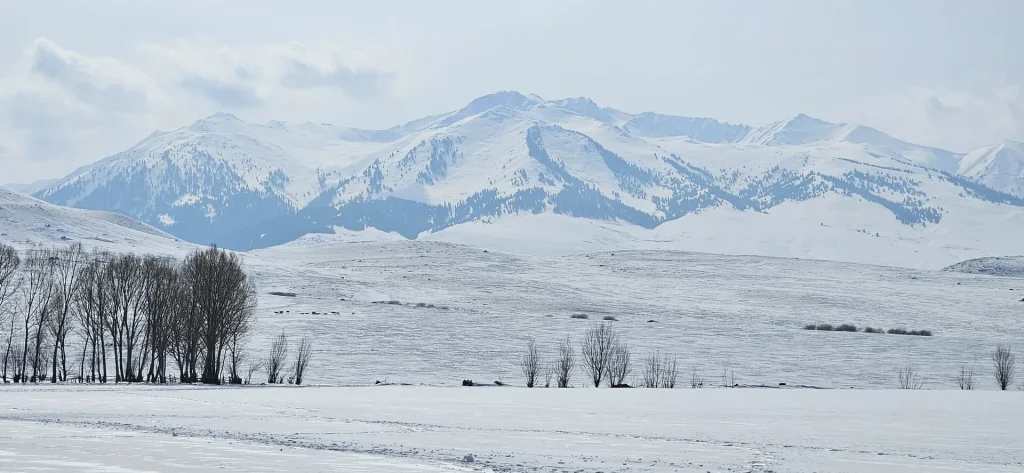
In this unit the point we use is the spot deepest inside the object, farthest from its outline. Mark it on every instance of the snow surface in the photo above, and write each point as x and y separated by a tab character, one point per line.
425	429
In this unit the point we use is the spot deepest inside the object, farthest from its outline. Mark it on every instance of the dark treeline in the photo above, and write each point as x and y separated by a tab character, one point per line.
129	318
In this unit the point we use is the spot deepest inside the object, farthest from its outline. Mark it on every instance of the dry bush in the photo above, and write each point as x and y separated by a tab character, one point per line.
565	363
303	354
652	371
619	366
909	378
530	363
276	359
965	379
669	373
1004	366
696	380
598	348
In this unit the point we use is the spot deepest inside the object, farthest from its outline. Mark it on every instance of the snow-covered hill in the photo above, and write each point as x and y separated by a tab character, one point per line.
26	222
799	187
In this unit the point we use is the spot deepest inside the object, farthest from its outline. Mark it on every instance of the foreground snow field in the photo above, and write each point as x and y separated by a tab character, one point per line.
464	313
428	429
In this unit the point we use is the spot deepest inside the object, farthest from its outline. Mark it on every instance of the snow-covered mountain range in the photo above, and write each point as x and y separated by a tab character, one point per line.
517	172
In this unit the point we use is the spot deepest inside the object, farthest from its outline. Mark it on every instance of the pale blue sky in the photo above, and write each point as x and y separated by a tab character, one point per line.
80	80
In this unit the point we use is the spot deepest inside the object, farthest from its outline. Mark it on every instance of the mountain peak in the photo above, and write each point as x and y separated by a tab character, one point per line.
504	98
804	119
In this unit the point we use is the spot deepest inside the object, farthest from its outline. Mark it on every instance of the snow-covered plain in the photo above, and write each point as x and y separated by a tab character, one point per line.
742	313
431	429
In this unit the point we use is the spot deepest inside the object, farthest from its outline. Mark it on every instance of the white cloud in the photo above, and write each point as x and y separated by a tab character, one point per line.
955	119
60	108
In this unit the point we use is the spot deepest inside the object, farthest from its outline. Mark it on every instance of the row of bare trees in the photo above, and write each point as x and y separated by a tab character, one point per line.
605	358
140	312
1004	371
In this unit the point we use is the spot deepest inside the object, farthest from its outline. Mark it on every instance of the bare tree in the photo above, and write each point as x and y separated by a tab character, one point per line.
1004	366
9	284
549	373
597	349
619	366
909	378
162	280
565	363
225	300
186	331
652	371
68	264
530	363
276	359
36	291
126	323
965	379
302	356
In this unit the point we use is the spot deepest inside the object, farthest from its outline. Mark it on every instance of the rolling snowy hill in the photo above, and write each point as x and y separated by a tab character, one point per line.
26	222
799	187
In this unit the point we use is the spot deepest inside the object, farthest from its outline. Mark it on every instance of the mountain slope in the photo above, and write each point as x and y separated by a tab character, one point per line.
508	154
26	222
999	166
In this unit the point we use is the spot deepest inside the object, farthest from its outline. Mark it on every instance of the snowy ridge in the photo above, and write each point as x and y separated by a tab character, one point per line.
505	155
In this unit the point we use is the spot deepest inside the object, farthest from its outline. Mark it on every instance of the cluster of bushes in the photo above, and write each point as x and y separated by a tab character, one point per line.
853	328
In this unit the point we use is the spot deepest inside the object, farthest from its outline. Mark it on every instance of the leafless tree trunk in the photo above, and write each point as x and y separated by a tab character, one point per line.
302	357
619	365
598	349
9	284
530	363
909	378
276	359
565	363
1004	365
